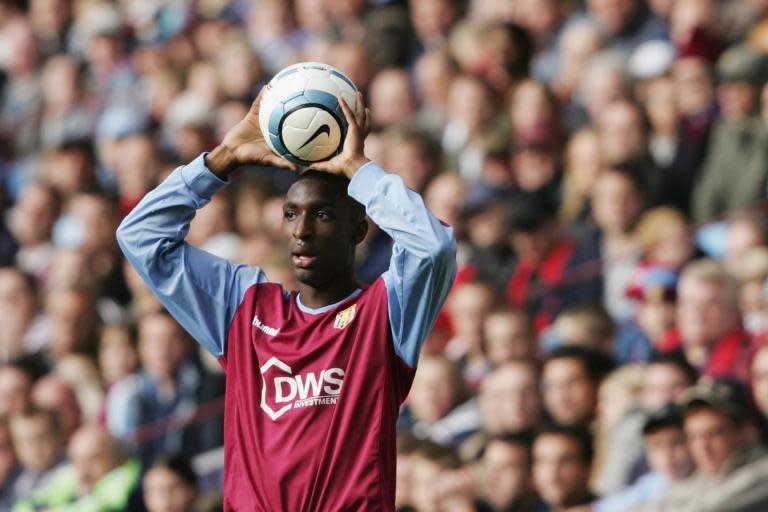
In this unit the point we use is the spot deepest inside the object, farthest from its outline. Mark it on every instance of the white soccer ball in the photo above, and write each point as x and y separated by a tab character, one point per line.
300	115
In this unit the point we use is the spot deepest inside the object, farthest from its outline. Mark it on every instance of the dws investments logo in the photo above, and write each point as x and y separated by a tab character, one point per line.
282	391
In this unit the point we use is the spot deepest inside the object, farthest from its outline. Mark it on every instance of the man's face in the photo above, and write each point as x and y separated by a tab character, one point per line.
509	399
613	15
165	491
560	473
322	232
703	312
667	452
713	438
91	457
664	383
507	473
162	346
37	444
615	202
569	394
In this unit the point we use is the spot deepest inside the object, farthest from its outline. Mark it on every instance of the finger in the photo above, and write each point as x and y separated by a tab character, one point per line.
367	122
348	115
257	102
282	163
361	109
320	166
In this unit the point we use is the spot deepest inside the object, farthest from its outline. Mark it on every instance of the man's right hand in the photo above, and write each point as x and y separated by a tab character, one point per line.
244	144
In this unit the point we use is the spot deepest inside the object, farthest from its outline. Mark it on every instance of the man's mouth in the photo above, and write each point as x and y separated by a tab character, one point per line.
303	260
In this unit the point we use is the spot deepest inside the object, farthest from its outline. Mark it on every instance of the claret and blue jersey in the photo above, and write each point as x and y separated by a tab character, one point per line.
312	394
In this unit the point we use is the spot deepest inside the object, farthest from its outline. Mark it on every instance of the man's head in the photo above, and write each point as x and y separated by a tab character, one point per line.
667	377
437	388
716	424
665	447
570	379
562	461
170	485
468	306
759	379
18	307
509	398
51	392
324	225
613	16
74	320
533	226
508	336
507	470
163	345
37	439
15	385
707	304
617	199
93	453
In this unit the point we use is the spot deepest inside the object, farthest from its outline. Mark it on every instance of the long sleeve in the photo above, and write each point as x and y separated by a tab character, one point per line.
423	264
200	290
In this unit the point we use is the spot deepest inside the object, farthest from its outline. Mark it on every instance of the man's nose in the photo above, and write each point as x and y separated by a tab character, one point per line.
302	229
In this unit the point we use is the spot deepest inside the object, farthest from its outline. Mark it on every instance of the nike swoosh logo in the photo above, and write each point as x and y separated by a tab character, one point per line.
323	129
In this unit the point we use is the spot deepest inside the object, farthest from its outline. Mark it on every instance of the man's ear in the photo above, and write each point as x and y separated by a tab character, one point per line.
361	229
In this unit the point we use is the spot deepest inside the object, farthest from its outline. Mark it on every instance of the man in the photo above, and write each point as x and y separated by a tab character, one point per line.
99	477
708	330
562	461
509	398
151	410
506	466
315	377
731	469
39	447
570	379
667	455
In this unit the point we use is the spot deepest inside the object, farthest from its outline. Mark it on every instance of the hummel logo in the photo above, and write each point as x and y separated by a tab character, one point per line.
264	328
323	129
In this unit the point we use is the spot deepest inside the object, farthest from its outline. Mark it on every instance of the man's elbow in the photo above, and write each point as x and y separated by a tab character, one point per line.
443	251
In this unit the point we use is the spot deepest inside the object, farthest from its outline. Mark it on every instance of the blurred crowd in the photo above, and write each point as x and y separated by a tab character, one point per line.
604	164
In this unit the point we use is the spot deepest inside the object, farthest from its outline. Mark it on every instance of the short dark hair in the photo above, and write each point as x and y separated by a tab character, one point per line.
531	211
522	439
340	185
578	433
596	364
678	360
179	464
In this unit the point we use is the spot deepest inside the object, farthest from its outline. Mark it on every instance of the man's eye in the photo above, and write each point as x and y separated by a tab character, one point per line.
323	215
289	215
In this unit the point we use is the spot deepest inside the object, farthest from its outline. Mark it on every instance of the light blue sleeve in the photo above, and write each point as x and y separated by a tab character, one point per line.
200	290
423	265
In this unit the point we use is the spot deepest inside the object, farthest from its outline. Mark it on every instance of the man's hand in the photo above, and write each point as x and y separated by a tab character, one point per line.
244	144
351	157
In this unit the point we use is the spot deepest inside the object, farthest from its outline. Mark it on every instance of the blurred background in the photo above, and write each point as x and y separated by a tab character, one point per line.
604	164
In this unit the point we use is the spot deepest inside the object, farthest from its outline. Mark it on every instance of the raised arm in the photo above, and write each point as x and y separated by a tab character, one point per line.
423	265
200	290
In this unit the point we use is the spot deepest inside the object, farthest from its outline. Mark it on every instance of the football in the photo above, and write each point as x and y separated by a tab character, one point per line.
300	115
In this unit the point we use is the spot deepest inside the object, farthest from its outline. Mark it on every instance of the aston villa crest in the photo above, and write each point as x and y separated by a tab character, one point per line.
343	318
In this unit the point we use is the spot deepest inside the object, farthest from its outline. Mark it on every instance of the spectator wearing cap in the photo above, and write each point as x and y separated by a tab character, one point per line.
667	456
553	271
653	288
708	329
731	468
736	167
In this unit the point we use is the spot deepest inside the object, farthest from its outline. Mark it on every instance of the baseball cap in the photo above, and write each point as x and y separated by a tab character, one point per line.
653	283
742	64
724	396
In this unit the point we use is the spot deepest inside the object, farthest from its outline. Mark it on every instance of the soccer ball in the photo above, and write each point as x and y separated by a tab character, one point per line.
300	115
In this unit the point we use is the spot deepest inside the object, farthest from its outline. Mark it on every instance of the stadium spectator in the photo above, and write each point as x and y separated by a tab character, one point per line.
150	410
729	464
562	461
506	470
170	485
708	327
509	400
39	447
99	476
570	379
51	392
508	336
9	467
15	386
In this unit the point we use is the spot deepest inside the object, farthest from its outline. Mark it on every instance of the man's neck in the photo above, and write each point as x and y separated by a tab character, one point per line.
319	297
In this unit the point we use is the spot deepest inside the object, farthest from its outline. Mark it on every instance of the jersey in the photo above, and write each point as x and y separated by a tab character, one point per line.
312	395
